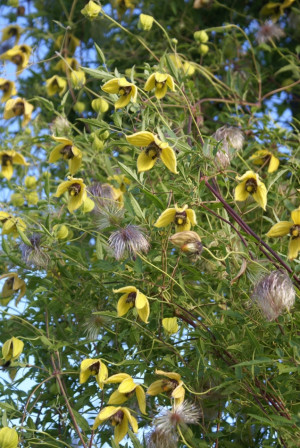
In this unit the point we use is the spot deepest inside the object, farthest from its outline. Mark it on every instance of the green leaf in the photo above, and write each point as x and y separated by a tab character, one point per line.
100	53
81	421
136	207
99	74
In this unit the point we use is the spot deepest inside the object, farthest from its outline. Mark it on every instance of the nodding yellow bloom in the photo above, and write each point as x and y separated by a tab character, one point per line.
8	88
66	150
125	391
8	438
126	90
173	384
119	418
11	31
77	79
170	325
133	297
16	108
265	157
66	64
160	82
12	285
68	41
183	218
8	159
100	105
251	185
76	190
11	224
283	228
154	149
19	55
275	9
145	22
94	367
91	10
56	84
12	349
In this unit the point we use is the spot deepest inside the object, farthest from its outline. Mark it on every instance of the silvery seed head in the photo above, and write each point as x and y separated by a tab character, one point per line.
34	255
107	209
230	137
158	439
268	31
130	239
60	126
274	293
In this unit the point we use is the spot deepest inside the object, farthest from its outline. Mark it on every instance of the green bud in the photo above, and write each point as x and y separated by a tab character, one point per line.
32	198
60	231
145	22
14	3
97	144
17	200
8	438
203	49
79	107
100	105
30	182
201	37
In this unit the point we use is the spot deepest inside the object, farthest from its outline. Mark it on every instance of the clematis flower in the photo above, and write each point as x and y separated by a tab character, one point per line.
8	88
70	42
119	418
8	438
11	31
287	227
145	22
133	297
77	79
76	190
251	185
11	224
12	349
94	367
8	159
126	90
17	107
100	105
265	157
125	391
183	218
170	325
12	285
56	84
160	82
155	149
91	10
19	55
65	64
275	9
173	384
66	150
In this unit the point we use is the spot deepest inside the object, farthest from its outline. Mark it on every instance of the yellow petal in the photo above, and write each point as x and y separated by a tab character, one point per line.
127	289
97	422
260	196
102	374
118	378
296	216
273	165
183	227
179	391
7	171
240	192
117	398
150	83
280	229
127	386
123	307
122	101
160	92
55	154
76	201
108	412
144	162
62	188
166	218
248	175
191	216
121	429
294	248
131	420
143	138
155	388
170	83
18	159
171	375
168	157
111	86
144	312
170	324
141	300
141	398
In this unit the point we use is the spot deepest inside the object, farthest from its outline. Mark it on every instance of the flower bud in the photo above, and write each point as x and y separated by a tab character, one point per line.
203	49
60	231
8	438
274	293
170	325
100	105
91	10
12	349
17	200
104	135
97	144
174	41
77	79
188	69
189	242
32	198
30	182
201	37
145	22
79	107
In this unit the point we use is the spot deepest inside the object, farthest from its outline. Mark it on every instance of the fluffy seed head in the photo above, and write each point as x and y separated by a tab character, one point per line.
130	239
268	31
34	255
230	137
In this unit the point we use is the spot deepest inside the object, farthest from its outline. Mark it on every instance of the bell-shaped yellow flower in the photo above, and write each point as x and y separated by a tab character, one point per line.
8	88
189	242
160	82
19	55
94	367
76	190
283	228
66	150
8	159
119	418
66	64
77	79
265	157
145	22
12	349
125	391
173	384
100	105
133	297
183	218
154	149
17	107
12	285
251	185
8	438
170	325
91	10
275	9
11	224
120	86
11	31
69	41
56	84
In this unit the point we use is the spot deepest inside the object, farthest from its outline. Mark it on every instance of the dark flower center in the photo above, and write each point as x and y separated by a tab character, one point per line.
23	49
67	152
10	282
13	31
129	394
117	418
5	86
6	160
251	186
131	297
180	218
160	84
18	108
153	151
169	385
17	59
295	231
74	189
94	368
124	91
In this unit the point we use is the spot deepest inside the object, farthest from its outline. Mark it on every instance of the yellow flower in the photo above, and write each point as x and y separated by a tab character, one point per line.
16	108
265	157
95	367
11	224
125	391
8	88
78	79
119	418
91	10
32	198
30	182
12	349
11	31
188	242
183	218
170	324
66	63
12	285
145	22
56	84
8	159
160	82
69	41
8	438
76	190
173	384
100	105
275	9
286	227
19	55
133	297
67	151
122	87
251	185
154	149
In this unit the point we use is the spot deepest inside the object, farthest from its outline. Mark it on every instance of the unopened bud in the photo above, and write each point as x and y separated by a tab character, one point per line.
97	144
170	325
91	10
30	182
60	231
32	198
17	200
203	49
79	107
100	105
8	438
201	37
188	69
145	22
78	79
12	349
